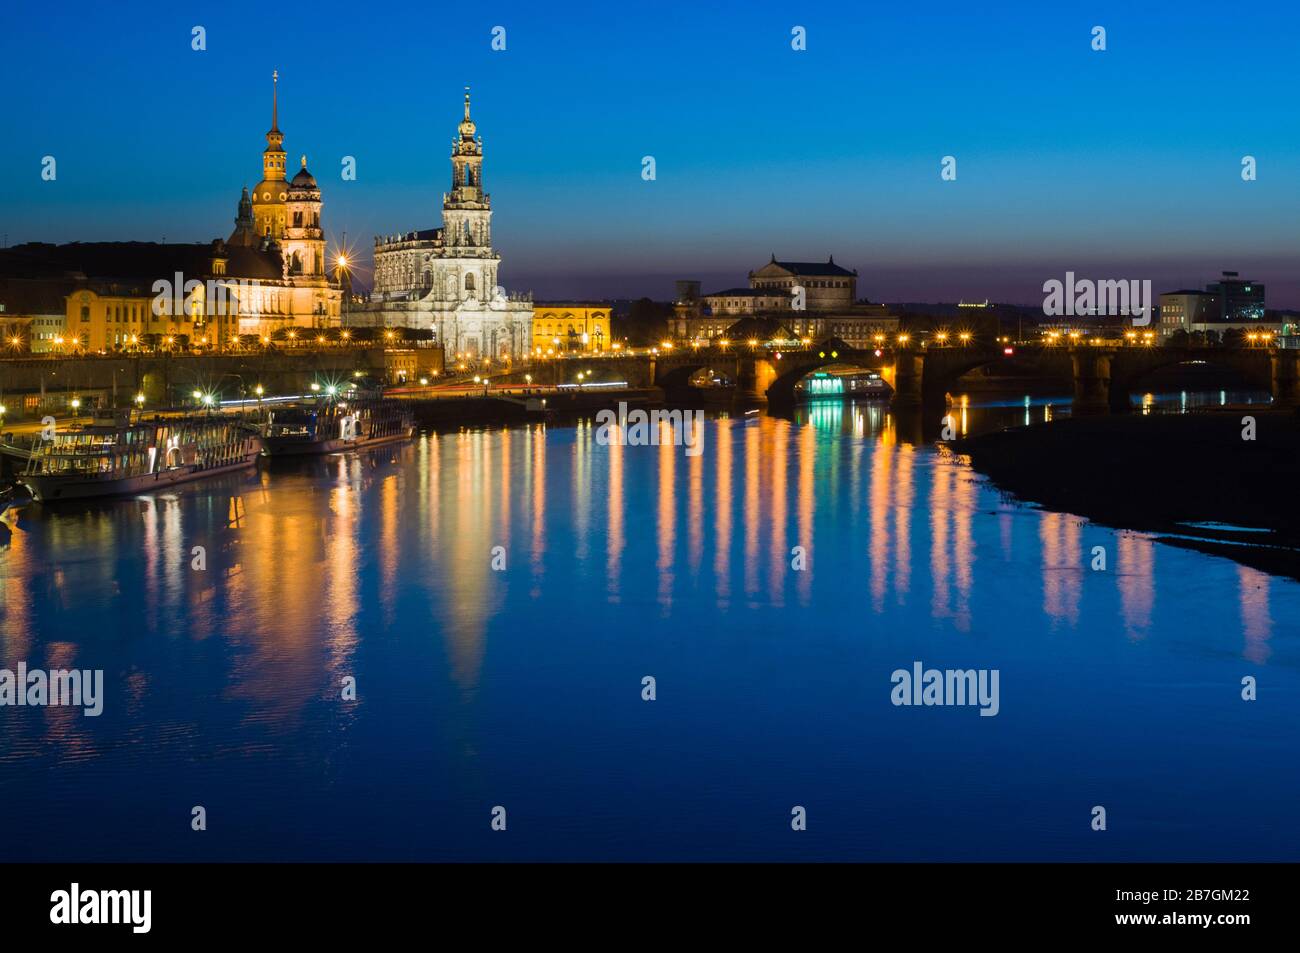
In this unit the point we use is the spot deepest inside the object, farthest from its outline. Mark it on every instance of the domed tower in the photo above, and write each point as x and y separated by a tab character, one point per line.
304	242
271	194
467	209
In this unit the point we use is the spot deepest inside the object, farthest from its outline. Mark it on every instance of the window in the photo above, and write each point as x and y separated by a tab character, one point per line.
85	314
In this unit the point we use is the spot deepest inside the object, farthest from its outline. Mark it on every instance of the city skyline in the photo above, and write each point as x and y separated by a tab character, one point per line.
1097	138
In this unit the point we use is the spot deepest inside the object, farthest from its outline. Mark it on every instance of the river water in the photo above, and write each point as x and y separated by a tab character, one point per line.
520	685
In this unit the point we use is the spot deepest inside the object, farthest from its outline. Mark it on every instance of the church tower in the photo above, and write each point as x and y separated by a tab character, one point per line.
269	211
467	209
245	232
304	242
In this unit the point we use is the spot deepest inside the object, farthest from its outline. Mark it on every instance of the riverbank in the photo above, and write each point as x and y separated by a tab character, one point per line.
1190	477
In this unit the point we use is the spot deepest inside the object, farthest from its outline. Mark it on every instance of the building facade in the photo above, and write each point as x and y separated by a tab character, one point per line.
1185	310
446	279
569	328
826	291
31	314
826	286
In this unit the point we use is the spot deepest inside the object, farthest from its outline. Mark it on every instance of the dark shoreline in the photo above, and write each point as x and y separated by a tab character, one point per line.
1161	472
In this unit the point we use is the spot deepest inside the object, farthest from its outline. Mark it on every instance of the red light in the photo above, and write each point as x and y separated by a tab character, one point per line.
1008	351
878	352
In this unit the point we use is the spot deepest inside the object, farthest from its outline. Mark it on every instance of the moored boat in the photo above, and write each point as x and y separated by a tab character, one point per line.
335	426
113	456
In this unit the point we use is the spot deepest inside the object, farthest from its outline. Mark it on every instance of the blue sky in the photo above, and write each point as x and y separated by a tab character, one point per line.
1124	163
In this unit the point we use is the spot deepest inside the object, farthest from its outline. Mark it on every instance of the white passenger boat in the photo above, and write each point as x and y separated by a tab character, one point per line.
113	456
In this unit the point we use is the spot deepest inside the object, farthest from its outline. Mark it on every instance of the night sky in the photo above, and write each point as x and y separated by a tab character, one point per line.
1119	164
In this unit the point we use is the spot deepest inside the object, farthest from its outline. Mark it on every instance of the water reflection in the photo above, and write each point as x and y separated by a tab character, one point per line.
616	559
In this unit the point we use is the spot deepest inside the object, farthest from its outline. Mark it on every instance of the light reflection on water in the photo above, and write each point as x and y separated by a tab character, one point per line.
522	687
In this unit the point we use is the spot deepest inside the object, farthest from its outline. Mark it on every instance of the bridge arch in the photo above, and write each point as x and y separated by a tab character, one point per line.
944	367
1252	367
782	389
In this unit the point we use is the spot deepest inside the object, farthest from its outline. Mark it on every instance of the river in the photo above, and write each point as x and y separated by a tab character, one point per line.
514	677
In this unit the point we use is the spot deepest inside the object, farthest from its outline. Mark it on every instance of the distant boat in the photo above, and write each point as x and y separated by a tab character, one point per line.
334	427
113	456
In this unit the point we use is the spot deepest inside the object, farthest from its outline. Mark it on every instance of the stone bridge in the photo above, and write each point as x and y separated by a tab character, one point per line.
1102	377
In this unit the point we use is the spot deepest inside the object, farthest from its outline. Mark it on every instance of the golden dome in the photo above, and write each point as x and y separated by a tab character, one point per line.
269	192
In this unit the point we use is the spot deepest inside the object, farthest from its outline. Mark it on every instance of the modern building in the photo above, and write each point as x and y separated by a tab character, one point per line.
1230	303
1186	310
566	328
1241	301
446	279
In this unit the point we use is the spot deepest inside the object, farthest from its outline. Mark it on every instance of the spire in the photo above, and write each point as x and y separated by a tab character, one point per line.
275	100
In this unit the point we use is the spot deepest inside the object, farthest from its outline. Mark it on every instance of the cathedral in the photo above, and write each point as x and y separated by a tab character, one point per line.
445	279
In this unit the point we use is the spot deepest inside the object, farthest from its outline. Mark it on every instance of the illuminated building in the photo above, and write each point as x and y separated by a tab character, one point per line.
281	220
268	276
445	279
577	327
1184	310
31	315
815	300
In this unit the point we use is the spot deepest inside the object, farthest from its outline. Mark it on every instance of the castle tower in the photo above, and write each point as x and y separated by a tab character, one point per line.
271	194
304	241
467	209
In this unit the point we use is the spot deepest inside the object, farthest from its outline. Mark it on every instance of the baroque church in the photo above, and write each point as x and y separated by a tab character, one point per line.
445	279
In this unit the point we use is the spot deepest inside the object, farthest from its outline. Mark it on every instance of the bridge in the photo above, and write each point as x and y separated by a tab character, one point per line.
1102	376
